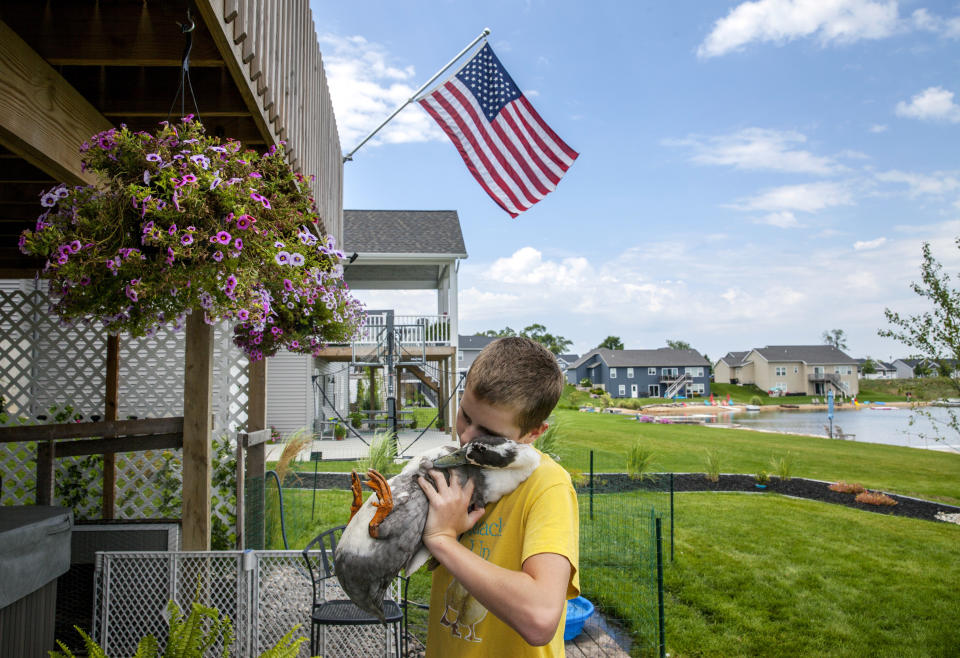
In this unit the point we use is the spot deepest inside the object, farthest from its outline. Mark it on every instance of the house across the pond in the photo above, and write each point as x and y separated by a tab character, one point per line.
662	372
791	369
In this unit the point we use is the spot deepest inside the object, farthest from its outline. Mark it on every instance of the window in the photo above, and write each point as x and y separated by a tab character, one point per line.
629	373
613	373
651	371
695	389
459	355
837	370
781	371
796	369
695	372
623	390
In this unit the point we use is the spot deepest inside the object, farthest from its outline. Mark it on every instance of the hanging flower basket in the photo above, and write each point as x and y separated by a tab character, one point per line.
181	222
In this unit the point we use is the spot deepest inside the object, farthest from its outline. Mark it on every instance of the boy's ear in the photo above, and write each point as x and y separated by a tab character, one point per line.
532	435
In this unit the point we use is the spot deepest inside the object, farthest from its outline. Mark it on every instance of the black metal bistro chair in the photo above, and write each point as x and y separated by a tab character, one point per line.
330	611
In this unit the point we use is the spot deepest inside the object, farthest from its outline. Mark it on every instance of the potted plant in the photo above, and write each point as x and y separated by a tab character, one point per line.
762	478
339	432
179	222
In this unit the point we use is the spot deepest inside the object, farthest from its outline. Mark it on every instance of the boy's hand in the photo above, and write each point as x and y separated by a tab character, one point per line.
448	516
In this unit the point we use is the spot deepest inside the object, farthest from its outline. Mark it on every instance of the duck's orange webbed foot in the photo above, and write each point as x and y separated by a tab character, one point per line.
379	484
357	489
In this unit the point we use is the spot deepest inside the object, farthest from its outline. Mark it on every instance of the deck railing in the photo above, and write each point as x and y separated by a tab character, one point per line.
411	330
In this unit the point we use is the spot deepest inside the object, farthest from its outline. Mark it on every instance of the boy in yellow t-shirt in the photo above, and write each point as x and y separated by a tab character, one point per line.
505	571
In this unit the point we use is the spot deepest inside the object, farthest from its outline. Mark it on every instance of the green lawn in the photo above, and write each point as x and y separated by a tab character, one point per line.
759	575
927	474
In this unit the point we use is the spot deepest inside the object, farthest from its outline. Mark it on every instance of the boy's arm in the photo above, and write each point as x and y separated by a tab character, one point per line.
530	601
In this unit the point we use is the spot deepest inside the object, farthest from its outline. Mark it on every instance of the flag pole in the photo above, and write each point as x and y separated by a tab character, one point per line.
483	35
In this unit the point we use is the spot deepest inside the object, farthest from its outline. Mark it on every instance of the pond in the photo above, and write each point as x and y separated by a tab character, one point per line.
891	425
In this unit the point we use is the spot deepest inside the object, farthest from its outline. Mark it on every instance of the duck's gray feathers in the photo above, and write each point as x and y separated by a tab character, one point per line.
366	566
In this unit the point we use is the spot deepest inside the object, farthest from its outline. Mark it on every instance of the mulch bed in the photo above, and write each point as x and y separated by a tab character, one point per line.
798	487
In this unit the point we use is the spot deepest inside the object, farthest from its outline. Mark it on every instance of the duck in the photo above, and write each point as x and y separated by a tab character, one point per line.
385	533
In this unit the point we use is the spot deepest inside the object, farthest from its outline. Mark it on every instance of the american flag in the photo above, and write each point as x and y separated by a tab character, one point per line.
509	149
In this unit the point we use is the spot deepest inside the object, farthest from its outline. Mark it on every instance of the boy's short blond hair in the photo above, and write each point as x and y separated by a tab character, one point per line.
518	373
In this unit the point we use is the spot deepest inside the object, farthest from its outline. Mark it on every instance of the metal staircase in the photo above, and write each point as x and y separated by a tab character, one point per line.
680	384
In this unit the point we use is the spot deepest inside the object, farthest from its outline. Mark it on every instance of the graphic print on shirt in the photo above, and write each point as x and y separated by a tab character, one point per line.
461	611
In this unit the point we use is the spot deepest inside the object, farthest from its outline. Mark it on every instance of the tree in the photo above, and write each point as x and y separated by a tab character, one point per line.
538	332
611	343
678	345
934	334
498	333
535	331
835	337
869	366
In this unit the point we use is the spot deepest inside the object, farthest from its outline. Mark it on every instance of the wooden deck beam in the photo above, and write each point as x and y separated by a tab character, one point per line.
42	118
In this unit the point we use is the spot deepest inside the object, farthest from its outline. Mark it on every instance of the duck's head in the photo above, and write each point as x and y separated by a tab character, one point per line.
486	452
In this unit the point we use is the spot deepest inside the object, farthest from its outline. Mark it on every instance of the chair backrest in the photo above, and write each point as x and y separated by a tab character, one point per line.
320	563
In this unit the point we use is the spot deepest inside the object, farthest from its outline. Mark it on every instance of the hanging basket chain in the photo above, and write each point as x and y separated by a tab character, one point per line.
185	82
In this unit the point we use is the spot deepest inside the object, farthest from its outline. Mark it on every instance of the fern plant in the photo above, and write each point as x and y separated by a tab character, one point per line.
189	637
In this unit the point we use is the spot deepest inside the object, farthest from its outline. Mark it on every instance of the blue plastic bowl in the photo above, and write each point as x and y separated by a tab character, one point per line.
578	611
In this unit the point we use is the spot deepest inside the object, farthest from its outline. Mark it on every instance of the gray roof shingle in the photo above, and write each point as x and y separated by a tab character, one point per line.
812	354
734	358
663	356
403	232
474	342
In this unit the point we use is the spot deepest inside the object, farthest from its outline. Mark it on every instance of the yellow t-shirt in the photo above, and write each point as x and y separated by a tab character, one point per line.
540	516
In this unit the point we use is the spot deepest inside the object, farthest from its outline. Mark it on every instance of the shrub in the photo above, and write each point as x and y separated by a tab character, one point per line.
577	477
639	461
783	466
762	477
712	464
756	400
843	487
585	382
875	498
356	419
597	390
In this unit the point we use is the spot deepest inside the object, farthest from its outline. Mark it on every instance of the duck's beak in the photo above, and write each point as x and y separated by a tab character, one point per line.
458	458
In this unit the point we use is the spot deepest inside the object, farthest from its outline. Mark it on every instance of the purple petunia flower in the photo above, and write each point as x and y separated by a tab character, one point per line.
238	243
288	284
244	222
206	301
170	256
189	178
223	237
243	315
255	174
48	200
296	260
282	258
295	344
217	256
172	230
215	183
131	293
146	177
201	160
186	239
154	157
231	281
75	246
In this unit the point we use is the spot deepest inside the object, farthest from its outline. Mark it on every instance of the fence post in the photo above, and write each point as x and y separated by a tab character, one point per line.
591	485
671	517
663	642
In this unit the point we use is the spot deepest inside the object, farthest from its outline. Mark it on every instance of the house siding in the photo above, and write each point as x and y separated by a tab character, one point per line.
289	391
596	369
721	373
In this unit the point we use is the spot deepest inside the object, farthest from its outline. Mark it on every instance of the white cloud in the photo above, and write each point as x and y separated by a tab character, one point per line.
862	245
931	104
878	128
938	183
758	149
946	27
744	294
781	21
365	87
783	219
810	197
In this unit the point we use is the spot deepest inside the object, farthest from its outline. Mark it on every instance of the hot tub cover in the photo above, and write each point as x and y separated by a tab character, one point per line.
34	548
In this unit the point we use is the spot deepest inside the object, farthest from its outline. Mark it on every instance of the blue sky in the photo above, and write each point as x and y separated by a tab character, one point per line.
750	173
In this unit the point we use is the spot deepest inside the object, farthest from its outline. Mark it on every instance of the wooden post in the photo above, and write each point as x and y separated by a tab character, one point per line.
256	454
197	403
45	473
451	391
442	395
110	404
